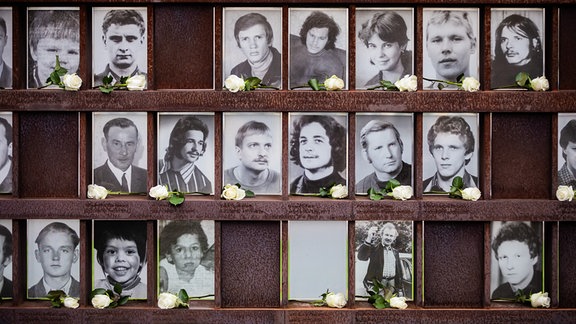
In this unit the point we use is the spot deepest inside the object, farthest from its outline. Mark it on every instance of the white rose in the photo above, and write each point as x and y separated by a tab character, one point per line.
159	192
402	192
72	82
540	300
71	302
334	83
471	194
167	300
565	193
97	192
407	83
540	84
101	301
234	83
470	84
137	82
339	191
232	192
398	302
335	300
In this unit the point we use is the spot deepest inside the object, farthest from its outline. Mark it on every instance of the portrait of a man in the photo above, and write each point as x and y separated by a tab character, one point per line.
53	257
5	47
119	151
384	149
186	152
52	33
384	45
253	44
119	43
6	247
384	254
567	149
451	48
517	44
318	151
256	140
318	45
516	259
452	140
6	152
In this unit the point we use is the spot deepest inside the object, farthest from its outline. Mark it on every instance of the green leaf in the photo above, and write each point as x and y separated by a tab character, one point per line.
522	79
107	80
98	291
123	80
458	182
106	89
441	86
391	184
123	300
183	295
176	198
460	78
55	294
380	302
252	83
118	289
249	193
313	83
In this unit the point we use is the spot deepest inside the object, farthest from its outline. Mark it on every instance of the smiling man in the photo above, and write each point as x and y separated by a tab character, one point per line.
451	143
254	37
56	251
124	39
178	171
253	149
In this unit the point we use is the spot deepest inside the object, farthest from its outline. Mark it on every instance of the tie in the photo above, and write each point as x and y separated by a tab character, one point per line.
124	183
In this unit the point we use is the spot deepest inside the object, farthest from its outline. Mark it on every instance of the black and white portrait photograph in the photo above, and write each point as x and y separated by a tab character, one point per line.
516	259
384	253
450	45
53	257
119	43
517	44
186	152
119	256
186	257
52	32
566	149
318	45
6	248
6	147
318	151
450	149
317	258
252	44
384	45
119	151
384	150
252	151
6	48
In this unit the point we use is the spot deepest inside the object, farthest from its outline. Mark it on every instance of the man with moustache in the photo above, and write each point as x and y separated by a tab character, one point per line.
385	261
382	147
187	144
253	148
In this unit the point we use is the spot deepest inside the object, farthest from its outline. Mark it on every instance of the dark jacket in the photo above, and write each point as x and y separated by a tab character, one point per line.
103	176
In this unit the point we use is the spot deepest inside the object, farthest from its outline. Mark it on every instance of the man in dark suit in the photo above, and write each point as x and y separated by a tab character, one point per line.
385	261
5	156
120	141
5	70
5	259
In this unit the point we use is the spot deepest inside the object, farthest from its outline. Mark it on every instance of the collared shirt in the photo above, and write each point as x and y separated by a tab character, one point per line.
434	186
565	176
5	170
389	269
119	173
65	288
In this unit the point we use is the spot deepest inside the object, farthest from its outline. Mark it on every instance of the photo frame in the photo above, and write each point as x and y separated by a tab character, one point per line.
516	262
517	44
461	57
253	45
257	163
6	49
328	56
382	51
191	171
456	155
53	257
186	247
372	240
389	156
316	260
325	162
6	149
119	255
123	50
6	248
566	149
123	153
52	31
